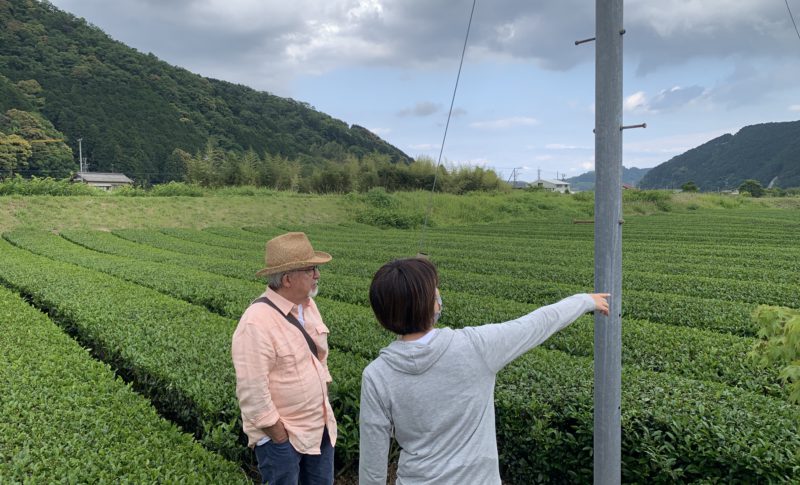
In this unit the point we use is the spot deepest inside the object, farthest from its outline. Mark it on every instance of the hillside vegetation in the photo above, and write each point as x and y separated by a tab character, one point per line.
761	152
133	110
585	181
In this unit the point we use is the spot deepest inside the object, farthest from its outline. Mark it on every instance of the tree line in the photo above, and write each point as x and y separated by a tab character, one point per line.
132	109
216	167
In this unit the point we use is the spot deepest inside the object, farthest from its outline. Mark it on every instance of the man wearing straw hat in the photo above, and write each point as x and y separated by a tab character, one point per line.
280	352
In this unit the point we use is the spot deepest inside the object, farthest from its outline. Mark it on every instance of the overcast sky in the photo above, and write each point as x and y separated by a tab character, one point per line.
694	69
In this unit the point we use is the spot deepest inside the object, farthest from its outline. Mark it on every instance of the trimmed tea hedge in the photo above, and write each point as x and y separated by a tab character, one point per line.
176	353
673	429
64	417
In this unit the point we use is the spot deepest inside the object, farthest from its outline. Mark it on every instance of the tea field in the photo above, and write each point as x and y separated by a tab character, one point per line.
116	363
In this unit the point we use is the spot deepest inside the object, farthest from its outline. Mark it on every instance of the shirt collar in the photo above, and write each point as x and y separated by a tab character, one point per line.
284	305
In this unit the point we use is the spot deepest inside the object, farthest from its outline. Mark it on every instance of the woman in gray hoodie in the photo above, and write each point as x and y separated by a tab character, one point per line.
433	389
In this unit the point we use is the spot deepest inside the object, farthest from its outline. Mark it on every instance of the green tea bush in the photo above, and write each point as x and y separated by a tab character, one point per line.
65	417
673	429
176	353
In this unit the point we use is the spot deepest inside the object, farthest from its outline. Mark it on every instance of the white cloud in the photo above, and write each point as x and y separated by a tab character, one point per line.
266	43
587	165
504	123
543	158
794	107
380	131
635	102
424	108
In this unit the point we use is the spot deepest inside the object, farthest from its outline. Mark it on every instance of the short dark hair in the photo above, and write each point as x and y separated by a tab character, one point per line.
402	295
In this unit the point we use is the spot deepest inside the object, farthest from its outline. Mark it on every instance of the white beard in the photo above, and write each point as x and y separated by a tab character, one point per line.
313	293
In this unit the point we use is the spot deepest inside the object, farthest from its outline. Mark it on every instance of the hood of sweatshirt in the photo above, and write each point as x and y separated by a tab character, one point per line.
414	357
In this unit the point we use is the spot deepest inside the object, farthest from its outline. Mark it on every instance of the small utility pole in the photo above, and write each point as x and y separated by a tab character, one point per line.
513	176
80	155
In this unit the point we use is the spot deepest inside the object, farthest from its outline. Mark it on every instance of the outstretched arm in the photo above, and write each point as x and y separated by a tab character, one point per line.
501	343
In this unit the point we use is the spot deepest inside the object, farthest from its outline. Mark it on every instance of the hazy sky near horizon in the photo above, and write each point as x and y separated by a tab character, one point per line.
693	70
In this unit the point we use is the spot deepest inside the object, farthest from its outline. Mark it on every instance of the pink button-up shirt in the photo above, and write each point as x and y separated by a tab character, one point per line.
277	376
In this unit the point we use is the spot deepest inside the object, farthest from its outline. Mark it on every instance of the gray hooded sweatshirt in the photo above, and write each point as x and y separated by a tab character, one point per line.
437	398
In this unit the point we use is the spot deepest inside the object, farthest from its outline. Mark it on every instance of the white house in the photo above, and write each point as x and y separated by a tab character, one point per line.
105	181
551	185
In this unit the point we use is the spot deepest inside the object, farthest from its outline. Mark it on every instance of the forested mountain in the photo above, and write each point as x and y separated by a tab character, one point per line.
133	110
760	152
585	181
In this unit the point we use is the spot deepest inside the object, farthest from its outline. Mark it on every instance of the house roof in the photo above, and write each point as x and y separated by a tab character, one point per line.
554	182
100	177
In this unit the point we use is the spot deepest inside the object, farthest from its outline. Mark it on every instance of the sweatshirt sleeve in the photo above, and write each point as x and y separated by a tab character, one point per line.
501	343
375	431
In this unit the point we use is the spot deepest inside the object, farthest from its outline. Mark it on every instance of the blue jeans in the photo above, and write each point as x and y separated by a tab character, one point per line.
281	464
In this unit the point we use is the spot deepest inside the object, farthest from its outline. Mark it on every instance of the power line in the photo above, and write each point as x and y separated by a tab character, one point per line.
792	17
446	126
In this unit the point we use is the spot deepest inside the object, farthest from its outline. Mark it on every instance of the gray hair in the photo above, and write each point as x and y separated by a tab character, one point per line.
275	280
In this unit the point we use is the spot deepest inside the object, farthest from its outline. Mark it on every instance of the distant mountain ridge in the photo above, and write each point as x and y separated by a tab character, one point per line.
132	109
764	152
585	181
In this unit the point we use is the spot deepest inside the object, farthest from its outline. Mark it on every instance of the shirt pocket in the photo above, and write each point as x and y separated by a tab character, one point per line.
286	381
320	336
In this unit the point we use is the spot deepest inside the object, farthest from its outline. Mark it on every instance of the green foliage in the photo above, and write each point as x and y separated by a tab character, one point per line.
45	186
674	429
690	187
64	414
176	189
660	200
752	187
758	152
587	196
383	210
378	198
32	146
133	111
11	96
586	181
693	410
779	342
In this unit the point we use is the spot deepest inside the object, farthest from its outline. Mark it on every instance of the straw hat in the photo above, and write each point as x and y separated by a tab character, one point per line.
291	251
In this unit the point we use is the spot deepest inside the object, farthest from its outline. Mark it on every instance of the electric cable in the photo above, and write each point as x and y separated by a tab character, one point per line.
792	17
444	137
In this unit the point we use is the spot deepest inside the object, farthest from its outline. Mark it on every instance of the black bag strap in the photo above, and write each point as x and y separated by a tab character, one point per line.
291	319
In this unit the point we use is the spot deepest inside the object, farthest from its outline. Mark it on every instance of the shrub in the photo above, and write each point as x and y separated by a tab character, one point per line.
378	197
390	218
175	189
779	342
45	186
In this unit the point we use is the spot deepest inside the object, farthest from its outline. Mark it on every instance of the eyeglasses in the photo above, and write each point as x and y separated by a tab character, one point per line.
310	270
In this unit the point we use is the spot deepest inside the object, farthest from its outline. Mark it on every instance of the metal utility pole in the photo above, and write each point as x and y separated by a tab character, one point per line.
608	240
80	155
513	175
